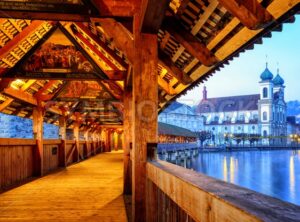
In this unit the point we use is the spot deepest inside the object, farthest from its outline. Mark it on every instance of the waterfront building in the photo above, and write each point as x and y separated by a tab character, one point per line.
173	134
181	115
261	114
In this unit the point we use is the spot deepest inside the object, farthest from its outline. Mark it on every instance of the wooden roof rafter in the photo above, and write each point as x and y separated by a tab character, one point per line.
120	61
16	72
116	72
250	12
20	37
281	11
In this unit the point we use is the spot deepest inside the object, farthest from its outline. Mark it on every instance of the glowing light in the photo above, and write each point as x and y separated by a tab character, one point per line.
292	176
232	169
225	172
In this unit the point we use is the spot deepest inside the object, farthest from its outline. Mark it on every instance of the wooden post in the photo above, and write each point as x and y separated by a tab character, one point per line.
38	136
86	153
145	104
63	135
127	139
76	137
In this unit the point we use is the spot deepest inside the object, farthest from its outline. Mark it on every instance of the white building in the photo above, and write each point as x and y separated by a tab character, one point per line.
181	115
263	113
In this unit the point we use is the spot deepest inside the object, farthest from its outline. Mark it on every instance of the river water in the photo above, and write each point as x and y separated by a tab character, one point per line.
274	173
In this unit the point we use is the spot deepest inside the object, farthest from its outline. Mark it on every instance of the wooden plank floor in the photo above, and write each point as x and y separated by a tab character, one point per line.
87	191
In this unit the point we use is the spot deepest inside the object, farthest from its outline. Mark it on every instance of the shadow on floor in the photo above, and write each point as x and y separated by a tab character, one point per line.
128	206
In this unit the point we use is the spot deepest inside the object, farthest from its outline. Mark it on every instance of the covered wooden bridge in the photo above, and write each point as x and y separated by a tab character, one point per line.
102	70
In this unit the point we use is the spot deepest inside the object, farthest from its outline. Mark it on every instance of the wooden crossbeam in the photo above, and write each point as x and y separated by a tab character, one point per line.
19	38
166	87
182	7
101	44
250	12
190	42
20	95
176	72
47	86
117	74
5	104
154	14
110	126
4	83
120	36
116	8
47	11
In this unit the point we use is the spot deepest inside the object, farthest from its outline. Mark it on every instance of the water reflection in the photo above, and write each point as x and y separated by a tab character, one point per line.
275	173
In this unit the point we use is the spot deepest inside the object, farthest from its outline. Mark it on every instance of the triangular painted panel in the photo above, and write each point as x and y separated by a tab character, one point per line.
57	56
84	90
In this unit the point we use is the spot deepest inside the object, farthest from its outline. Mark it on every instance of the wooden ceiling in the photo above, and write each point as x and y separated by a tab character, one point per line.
196	38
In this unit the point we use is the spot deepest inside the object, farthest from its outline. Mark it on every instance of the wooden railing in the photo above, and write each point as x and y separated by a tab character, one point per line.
17	157
178	194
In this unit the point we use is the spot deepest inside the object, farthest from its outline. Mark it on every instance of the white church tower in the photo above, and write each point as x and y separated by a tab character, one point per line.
265	104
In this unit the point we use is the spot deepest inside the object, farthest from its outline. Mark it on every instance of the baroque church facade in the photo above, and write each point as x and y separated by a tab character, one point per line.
262	114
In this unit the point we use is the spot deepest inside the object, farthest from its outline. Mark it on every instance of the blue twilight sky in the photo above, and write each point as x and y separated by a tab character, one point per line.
241	76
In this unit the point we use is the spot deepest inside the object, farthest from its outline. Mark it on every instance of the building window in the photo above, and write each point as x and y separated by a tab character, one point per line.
265	116
216	119
253	127
265	134
265	92
225	127
213	128
242	117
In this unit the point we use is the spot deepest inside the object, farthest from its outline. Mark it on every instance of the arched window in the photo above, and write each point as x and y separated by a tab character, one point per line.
265	92
216	119
265	134
265	116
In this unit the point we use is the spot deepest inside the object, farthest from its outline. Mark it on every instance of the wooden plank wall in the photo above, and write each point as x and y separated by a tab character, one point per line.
69	146
16	157
81	149
178	194
165	209
51	160
16	161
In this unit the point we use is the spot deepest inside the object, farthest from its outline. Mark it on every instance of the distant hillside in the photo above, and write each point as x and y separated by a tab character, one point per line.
293	109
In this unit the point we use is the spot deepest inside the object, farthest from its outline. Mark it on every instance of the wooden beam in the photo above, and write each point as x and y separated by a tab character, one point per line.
101	44
145	104
116	8
127	190
4	83
111	126
120	73
250	12
48	11
182	7
37	124
76	135
47	86
5	104
20	95
166	62
19	38
166	86
190	42
120	36
154	15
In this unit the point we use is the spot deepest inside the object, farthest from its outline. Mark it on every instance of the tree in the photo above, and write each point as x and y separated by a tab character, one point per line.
203	136
237	137
253	138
